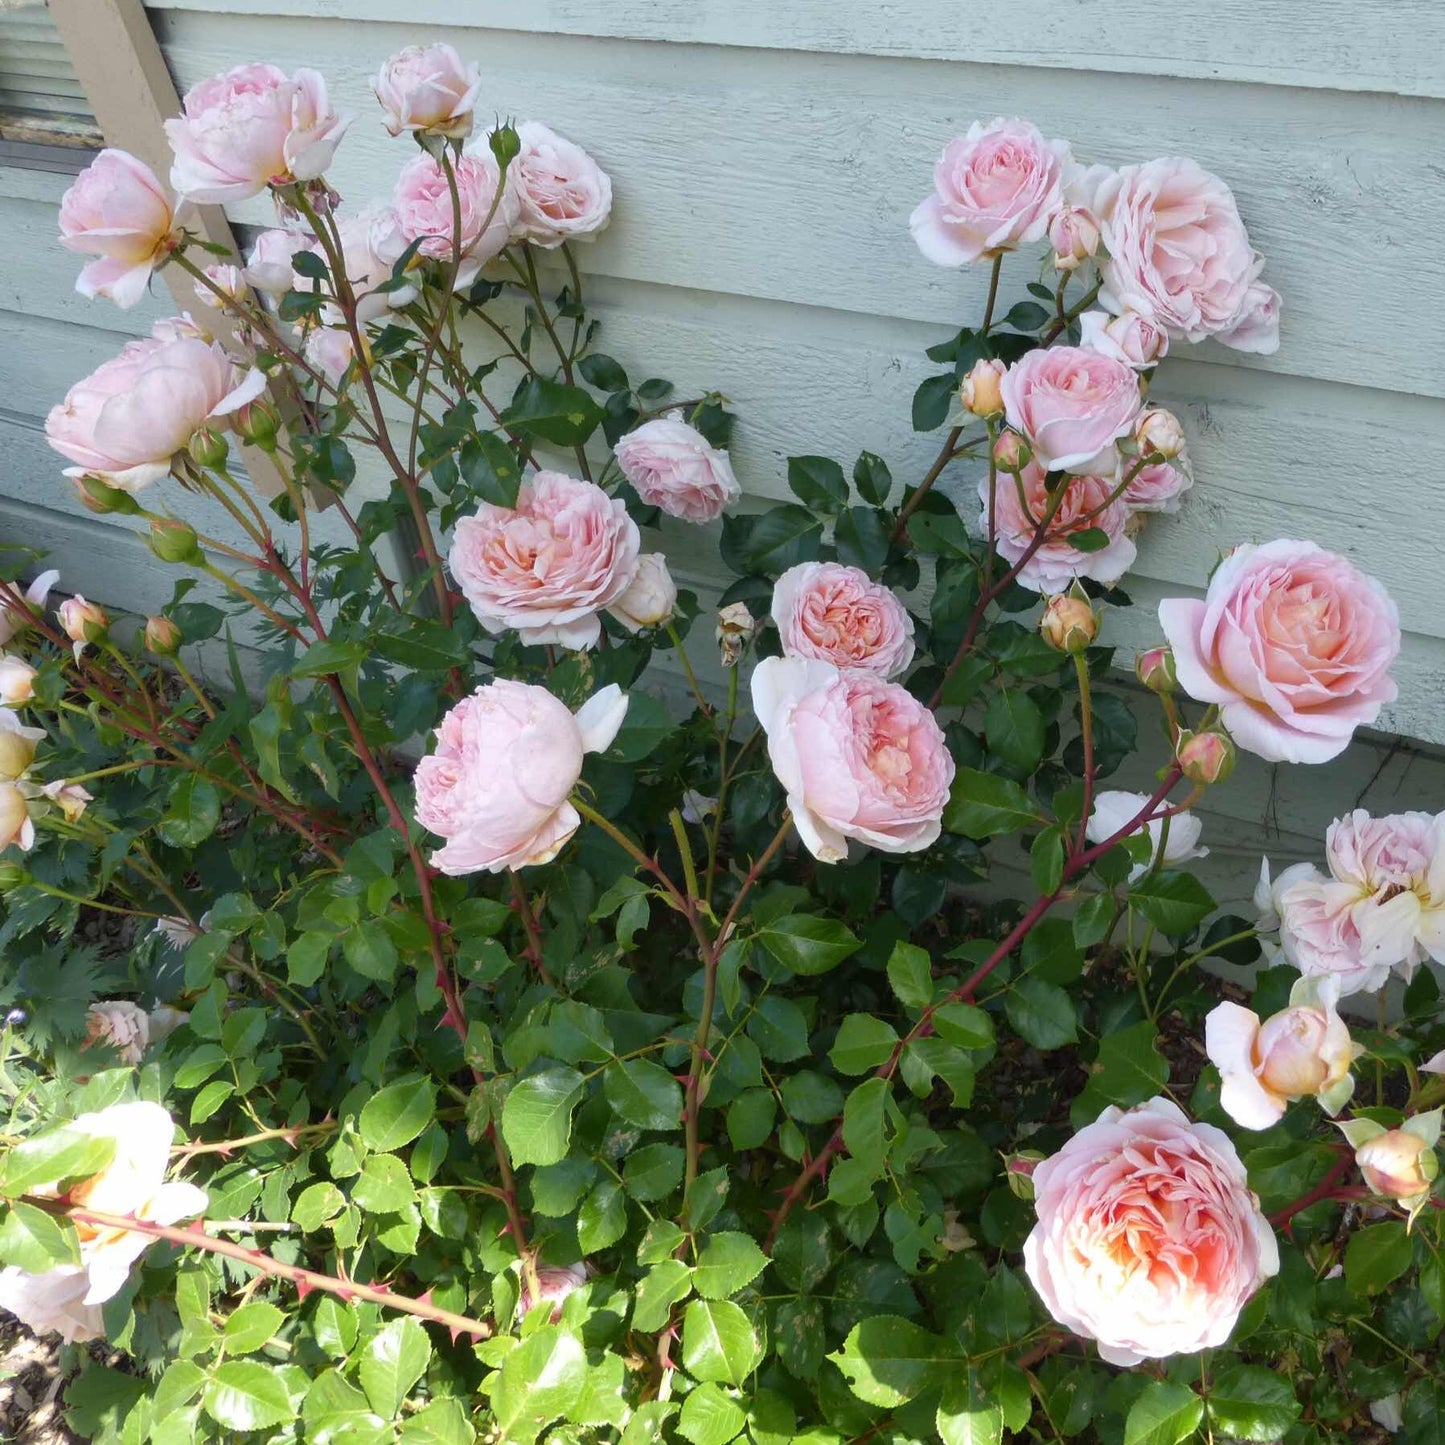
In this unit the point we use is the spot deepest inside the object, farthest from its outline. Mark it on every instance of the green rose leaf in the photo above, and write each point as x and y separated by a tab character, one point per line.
809	944
718	1342
1164	1414
397	1114
982	805
888	1360
537	1117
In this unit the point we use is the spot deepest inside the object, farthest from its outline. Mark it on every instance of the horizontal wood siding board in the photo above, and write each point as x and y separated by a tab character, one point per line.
1393	46
791	178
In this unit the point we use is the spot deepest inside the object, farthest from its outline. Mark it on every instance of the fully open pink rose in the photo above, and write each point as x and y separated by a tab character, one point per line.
1148	1237
506	759
1130	338
1086	505
1319	932
551	565
564	194
1294	643
1178	253
118	212
128	418
252	127
837	614
859	757
428	88
1072	404
422	207
673	466
994	189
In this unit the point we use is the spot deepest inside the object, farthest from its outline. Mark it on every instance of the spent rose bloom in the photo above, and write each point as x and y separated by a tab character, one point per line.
673	466
68	1298
1302	1051
650	596
1072	404
564	194
994	189
1148	1238
837	614
554	1283
1113	808
1130	338
117	212
128	418
268	264
121	1025
858	757
428	88
422	210
549	566
1178	253
252	127
1085	505
1293	643
496	786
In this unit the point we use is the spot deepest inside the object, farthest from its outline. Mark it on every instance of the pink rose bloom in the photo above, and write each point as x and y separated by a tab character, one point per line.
506	759
121	1025
837	614
1085	505
1319	931
995	189
550	566
330	350
1178	253
1072	404
1114	808
1294	643
117	212
363	236
1159	486
1130	338
650	596
859	757
555	1283
250	128
428	88
268	267
226	279
1148	1238
128	418
422	203
672	466
564	194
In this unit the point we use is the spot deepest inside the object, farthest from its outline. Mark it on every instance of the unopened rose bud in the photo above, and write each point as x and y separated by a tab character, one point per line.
83	621
15	824
650	596
1074	235
17	752
17	681
162	636
735	627
1019	1171
1205	757
1157	433
980	391
1398	1164
258	423
1011	452
174	541
1069	623
100	497
1155	669
209	449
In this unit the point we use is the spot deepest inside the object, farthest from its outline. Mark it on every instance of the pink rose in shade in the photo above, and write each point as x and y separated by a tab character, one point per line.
554	1283
1130	338
330	350
1293	643
1178	253
496	786
1303	1051
252	127
1148	1238
117	212
1072	404
673	466
564	194
995	189
428	88
859	757
268	266
128	418
227	280
837	614
120	1025
363	237
1114	808
1159	486
1086	504
547	568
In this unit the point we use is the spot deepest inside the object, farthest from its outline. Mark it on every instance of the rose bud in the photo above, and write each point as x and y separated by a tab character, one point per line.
257	422
1074	235
427	88
650	596
735	626
980	392
1399	1164
15	824
1069	622
1205	757
83	621
1011	452
98	496
162	636
1155	669
1019	1171
1158	433
209	448
174	541
17	681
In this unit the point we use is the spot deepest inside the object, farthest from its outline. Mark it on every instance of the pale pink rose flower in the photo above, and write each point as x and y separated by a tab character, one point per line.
673	466
120	1025
554	1283
268	265
422	207
838	614
1303	1051
859	757
564	194
1178	253
1319	931
17	680
994	189
1074	235
1147	1282
184	327
1073	404
14	617
117	212
229	280
251	127
70	798
329	349
650	596
1398	1164
428	88
133	1183
363	237
1086	505
549	566
1130	338
78	617
496	786
17	746
16	826
1114	808
1293	643
1159	486
128	418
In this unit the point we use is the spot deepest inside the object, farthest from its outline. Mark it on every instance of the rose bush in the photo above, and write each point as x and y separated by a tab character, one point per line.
517	996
